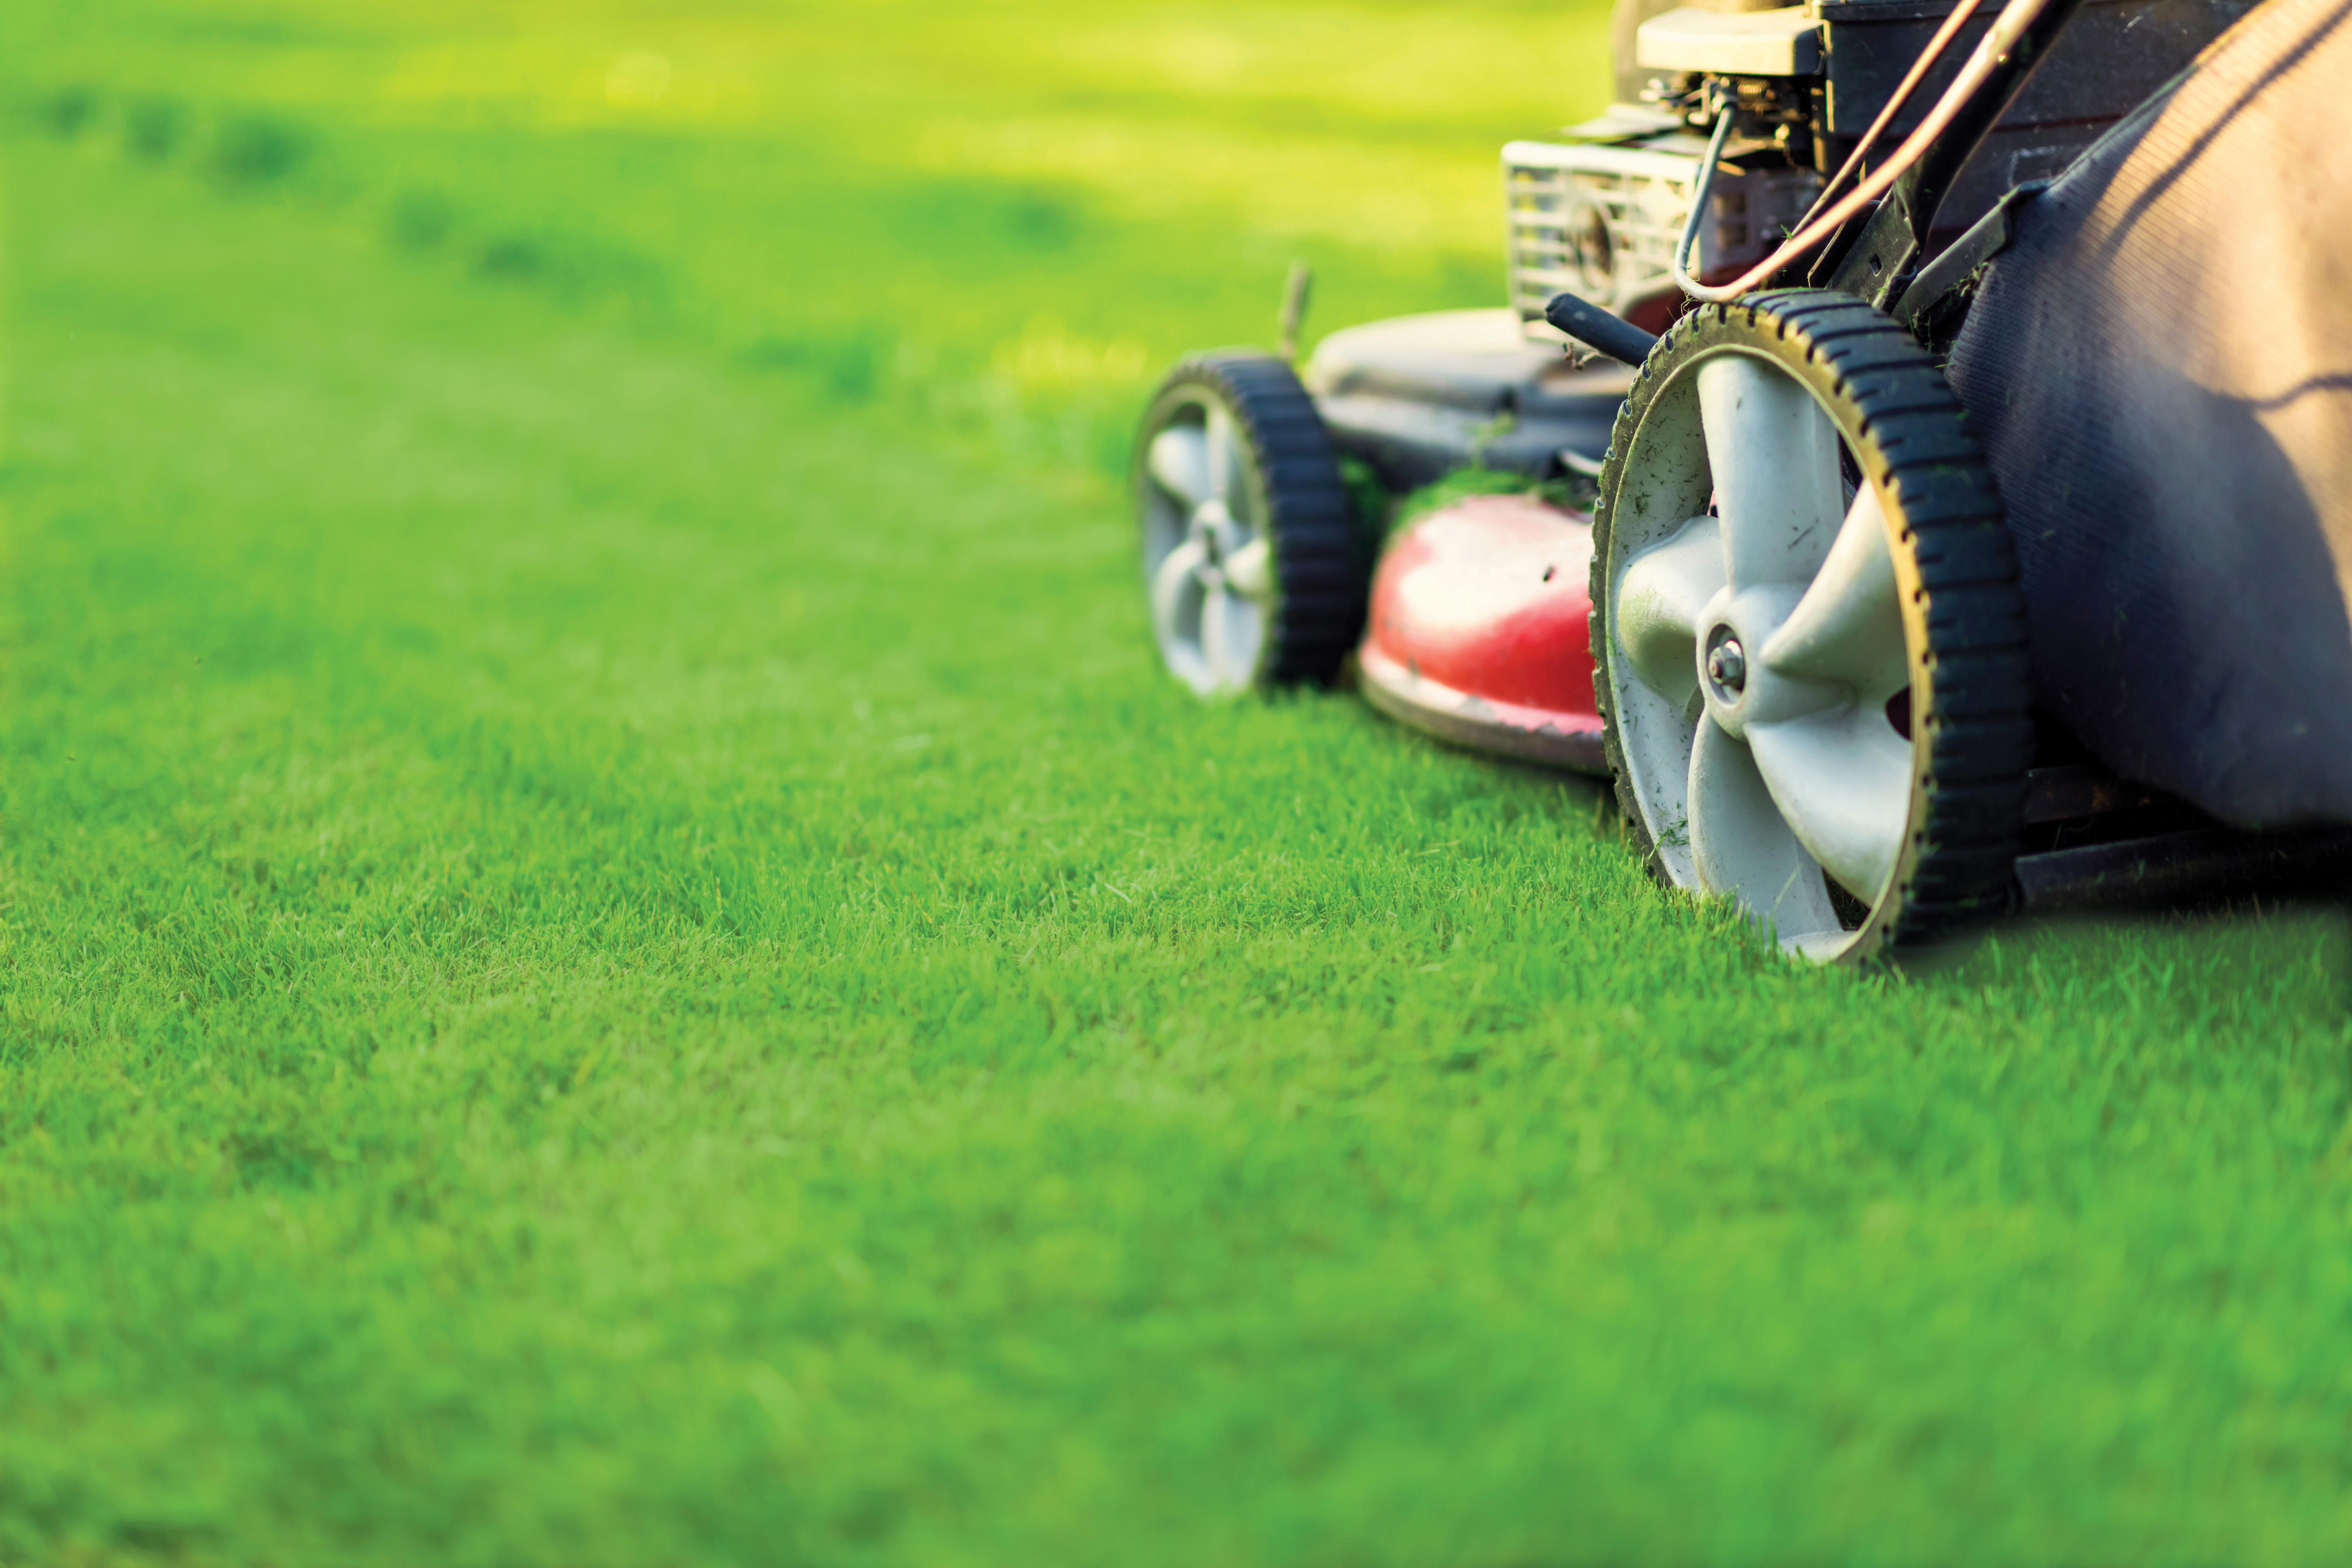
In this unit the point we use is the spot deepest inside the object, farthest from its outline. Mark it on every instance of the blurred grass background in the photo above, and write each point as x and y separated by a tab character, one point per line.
1057	197
612	949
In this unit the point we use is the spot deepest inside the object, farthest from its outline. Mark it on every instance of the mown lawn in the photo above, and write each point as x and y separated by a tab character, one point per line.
613	951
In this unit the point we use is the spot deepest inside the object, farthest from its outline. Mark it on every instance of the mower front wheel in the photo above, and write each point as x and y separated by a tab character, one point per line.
1809	637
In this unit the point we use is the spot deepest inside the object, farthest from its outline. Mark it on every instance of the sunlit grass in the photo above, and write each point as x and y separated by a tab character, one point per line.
1369	124
614	950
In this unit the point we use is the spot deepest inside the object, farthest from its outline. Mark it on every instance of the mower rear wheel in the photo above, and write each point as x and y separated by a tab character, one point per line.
1251	562
1809	640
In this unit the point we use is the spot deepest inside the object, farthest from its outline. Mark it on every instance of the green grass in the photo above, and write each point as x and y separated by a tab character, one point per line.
613	950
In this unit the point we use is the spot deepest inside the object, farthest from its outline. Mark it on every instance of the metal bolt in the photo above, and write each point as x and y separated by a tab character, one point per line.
1726	665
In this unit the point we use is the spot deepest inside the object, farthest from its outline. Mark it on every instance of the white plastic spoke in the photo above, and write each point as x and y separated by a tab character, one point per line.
1229	637
1250	571
1841	780
1179	463
1176	588
1740	846
1658	604
1774	457
1849	626
1224	457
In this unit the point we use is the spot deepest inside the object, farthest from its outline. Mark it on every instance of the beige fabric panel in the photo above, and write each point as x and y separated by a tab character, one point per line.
2250	165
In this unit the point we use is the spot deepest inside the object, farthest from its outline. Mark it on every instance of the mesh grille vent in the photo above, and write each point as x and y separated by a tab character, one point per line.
1602	220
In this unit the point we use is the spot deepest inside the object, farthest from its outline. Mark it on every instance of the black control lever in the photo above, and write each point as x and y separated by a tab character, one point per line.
1597	330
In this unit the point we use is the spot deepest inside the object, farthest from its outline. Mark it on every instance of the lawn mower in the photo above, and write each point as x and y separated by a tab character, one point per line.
1912	463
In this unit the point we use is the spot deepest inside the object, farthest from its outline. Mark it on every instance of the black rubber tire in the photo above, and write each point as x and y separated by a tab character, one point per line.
1321	579
1964	614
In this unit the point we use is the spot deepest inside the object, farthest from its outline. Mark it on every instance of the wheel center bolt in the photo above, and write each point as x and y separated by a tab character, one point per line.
1208	526
1726	665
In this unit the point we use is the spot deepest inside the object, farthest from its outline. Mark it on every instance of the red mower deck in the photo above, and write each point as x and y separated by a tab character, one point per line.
1477	631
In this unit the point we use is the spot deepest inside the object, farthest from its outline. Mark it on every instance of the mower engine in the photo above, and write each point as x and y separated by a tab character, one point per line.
1600	217
1598	212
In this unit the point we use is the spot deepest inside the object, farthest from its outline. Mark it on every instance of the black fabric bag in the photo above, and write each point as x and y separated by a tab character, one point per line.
2161	369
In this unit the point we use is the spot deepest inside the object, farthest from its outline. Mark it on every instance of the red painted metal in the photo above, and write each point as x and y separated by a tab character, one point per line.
1478	630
